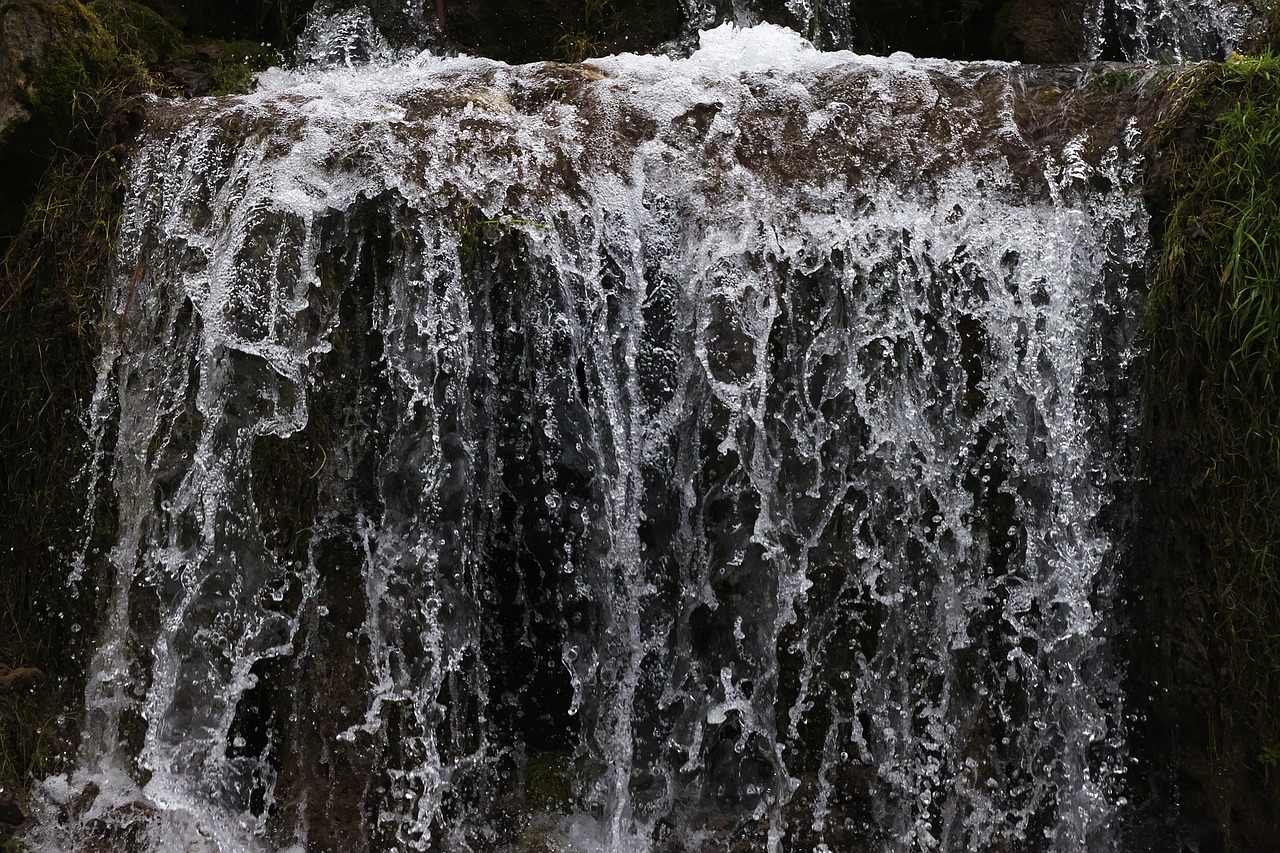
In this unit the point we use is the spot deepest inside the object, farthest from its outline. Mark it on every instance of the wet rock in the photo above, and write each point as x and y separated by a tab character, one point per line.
193	81
127	827
83	801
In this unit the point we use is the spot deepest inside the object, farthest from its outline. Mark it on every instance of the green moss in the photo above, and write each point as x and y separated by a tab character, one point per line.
234	64
1115	80
1215	326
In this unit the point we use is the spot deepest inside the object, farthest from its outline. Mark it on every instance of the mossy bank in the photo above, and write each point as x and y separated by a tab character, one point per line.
73	77
1210	572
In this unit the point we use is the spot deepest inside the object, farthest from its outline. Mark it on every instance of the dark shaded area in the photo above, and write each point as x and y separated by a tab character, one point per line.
275	22
530	30
1205	676
535	534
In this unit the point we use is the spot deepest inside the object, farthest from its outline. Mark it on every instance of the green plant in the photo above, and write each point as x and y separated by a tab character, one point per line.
577	46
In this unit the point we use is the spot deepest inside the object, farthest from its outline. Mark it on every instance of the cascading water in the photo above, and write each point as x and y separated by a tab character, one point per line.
644	455
1168	30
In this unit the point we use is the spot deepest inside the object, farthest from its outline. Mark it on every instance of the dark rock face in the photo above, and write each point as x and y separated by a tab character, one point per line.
1040	31
952	29
10	814
1044	31
529	30
273	21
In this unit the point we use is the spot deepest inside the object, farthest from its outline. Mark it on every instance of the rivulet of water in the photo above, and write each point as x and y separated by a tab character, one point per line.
642	455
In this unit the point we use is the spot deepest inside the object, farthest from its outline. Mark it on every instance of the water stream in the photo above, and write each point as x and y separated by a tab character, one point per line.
720	453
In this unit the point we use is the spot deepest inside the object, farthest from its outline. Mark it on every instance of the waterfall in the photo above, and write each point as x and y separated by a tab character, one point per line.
650	454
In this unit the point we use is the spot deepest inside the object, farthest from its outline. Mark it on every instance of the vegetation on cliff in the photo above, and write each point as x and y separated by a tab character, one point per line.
81	106
1215	457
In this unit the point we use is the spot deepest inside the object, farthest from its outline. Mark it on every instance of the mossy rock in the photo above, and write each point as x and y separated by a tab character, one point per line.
58	205
1209	550
82	51
49	54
